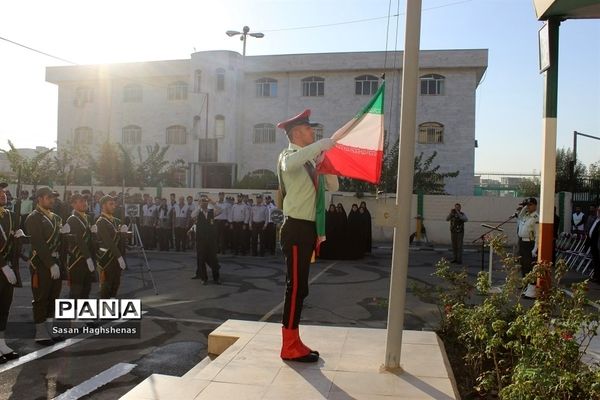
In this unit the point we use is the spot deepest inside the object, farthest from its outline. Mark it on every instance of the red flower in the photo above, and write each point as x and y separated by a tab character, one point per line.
567	336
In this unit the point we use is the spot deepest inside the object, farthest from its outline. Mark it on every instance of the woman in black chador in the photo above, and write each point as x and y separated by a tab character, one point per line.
328	248
354	247
365	217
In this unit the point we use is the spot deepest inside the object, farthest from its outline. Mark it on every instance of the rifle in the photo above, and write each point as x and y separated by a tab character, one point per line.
16	254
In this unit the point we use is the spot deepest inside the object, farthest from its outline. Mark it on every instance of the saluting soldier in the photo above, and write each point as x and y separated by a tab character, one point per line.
527	226
44	228
110	255
206	240
8	234
81	263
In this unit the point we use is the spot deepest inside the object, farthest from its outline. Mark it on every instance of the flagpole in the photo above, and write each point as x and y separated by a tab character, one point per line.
406	155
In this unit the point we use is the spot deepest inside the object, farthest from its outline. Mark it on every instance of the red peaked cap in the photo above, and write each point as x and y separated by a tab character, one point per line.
300	119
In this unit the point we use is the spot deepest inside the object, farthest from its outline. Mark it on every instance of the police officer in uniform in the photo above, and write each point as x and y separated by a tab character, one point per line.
148	224
206	241
9	232
81	265
297	181
239	224
110	254
527	226
258	225
181	216
44	228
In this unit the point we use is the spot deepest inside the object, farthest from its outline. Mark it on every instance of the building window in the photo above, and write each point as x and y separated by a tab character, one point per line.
264	133
83	95
176	134
431	133
318	132
177	91
197	81
220	79
132	135
219	126
209	149
366	85
83	135
132	94
313	86
432	84
266	87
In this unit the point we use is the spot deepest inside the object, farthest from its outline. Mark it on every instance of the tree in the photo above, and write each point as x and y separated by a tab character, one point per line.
530	187
153	169
108	167
564	160
34	170
428	180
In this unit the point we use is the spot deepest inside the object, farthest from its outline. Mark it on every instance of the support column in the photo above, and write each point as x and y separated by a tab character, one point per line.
406	160
549	146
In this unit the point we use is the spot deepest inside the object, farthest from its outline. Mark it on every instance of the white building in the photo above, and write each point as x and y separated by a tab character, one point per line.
218	110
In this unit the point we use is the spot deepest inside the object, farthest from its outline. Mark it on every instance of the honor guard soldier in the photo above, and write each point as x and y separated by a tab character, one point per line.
9	233
298	183
206	240
527	226
81	265
110	255
44	228
258	225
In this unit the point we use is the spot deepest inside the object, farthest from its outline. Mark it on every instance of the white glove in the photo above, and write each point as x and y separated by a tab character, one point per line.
19	233
122	263
90	264
123	228
10	274
534	253
326	143
66	228
54	272
94	228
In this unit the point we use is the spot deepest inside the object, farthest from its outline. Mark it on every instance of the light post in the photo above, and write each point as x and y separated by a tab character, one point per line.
245	32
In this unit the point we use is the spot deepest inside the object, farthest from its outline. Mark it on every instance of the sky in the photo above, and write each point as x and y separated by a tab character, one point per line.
509	98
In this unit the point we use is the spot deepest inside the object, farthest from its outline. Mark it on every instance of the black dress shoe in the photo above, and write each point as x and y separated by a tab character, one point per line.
316	353
309	358
195	277
3	360
11	356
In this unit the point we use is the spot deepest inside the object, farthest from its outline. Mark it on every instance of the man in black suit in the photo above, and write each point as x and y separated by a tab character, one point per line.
206	240
593	237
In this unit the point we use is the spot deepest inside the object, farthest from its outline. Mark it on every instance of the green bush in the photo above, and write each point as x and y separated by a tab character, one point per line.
501	347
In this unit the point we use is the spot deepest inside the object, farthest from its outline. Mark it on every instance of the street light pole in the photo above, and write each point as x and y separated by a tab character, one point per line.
244	34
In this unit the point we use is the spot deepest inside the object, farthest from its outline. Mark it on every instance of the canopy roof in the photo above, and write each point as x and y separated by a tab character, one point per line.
567	9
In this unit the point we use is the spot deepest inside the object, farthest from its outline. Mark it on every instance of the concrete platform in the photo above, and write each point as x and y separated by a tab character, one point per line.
248	367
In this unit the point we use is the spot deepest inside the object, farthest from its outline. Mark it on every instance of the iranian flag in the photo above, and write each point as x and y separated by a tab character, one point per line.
358	150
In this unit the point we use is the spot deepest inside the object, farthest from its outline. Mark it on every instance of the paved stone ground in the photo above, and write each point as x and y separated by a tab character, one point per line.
180	317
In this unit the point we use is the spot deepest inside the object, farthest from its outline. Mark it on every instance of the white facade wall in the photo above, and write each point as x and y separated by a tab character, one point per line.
107	115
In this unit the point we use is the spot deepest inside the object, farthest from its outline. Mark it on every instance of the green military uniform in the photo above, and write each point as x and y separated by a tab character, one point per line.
44	226
7	228
81	249
110	249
